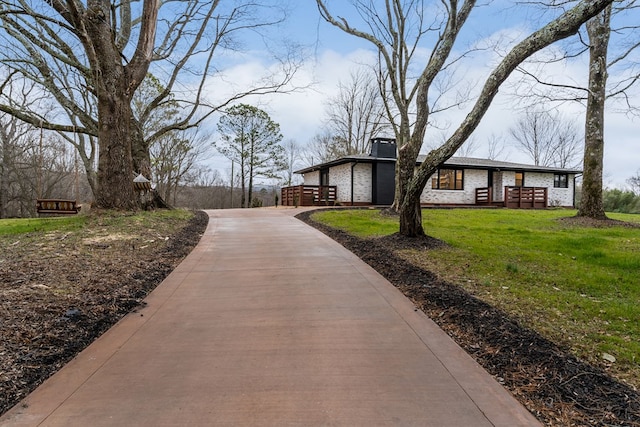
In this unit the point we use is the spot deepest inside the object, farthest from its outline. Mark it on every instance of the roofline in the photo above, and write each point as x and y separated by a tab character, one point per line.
345	160
498	166
515	168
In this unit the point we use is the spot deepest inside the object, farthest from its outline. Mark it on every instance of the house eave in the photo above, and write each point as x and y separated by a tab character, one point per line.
484	164
345	160
454	162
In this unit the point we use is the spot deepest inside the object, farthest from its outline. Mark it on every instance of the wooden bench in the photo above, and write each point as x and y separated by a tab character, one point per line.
57	206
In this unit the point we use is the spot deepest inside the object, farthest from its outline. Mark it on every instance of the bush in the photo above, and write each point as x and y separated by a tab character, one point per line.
621	201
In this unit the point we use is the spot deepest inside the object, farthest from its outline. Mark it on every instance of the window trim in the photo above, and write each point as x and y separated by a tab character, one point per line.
558	183
436	179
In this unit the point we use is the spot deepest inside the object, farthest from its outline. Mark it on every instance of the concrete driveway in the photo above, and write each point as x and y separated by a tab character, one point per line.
268	322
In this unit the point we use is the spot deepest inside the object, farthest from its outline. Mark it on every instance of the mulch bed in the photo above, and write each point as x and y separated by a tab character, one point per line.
56	300
558	388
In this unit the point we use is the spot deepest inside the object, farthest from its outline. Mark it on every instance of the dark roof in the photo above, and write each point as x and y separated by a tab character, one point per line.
464	162
474	163
356	158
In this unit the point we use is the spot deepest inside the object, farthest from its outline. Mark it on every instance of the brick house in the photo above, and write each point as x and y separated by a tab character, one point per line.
362	180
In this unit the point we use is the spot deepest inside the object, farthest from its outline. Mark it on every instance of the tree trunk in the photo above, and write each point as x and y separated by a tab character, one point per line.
114	84
591	204
140	151
141	158
405	205
250	192
250	188
92	177
115	171
3	179
411	219
243	196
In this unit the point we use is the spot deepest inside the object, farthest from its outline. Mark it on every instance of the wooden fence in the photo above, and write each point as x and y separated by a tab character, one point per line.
308	195
525	197
484	196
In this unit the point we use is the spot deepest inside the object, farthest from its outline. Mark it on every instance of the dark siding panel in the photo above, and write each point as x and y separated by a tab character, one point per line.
383	181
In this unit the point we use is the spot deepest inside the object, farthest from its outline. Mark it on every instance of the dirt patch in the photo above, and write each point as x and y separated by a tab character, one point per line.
60	291
558	388
597	223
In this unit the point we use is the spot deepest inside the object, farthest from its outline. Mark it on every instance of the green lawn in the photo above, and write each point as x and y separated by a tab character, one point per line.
77	222
29	225
579	286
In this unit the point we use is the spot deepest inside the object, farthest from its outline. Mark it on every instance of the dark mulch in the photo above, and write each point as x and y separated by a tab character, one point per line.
597	223
59	294
558	388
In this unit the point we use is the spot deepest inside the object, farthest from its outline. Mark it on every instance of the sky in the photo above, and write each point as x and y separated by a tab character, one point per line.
332	55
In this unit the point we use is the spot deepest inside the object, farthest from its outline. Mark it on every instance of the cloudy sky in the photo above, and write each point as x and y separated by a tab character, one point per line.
330	57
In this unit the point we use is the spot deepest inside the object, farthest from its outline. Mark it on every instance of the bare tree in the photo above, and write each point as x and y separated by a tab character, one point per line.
16	139
174	157
396	32
634	183
174	154
45	30
468	148
293	156
103	48
547	138
318	150
603	64
495	147
33	162
355	115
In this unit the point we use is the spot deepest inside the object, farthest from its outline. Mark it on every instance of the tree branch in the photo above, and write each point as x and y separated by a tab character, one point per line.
560	28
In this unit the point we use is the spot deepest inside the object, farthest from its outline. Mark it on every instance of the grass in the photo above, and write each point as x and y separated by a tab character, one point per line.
579	286
30	225
73	223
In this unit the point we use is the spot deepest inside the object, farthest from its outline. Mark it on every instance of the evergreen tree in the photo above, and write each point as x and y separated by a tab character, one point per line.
251	139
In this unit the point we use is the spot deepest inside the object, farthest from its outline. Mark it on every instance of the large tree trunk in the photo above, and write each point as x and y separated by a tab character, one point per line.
140	151
408	206
411	220
92	175
141	158
591	204
115	167
3	179
114	84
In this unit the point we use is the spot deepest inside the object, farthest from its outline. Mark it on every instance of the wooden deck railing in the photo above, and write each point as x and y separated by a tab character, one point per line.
484	196
525	197
308	195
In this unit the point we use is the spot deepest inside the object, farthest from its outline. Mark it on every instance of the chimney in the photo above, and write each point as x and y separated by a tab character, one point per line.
383	148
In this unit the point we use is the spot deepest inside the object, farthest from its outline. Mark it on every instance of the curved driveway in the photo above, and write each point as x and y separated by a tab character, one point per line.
268	322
